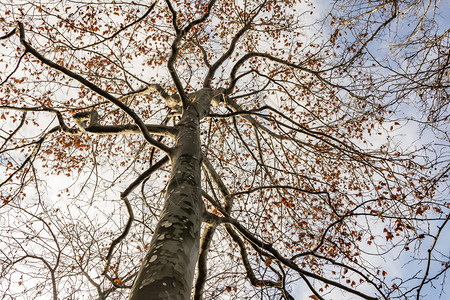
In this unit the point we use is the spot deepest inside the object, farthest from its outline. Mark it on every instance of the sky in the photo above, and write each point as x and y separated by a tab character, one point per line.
410	132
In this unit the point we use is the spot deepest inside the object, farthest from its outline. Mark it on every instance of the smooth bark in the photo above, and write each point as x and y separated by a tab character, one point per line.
168	269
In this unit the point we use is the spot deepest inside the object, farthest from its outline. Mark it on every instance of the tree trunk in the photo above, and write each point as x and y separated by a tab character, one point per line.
167	270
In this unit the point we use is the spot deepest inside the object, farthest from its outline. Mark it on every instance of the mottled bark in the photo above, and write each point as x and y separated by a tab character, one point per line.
167	270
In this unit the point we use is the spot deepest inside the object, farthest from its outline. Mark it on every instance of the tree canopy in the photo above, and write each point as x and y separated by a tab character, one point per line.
319	129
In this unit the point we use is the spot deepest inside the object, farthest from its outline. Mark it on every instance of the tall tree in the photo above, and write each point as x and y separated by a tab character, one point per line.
214	149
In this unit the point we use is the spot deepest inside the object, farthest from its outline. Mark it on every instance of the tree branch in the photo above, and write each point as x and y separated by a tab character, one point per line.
15	69
124	197
202	267
11	33
121	29
174	47
427	270
229	52
95	89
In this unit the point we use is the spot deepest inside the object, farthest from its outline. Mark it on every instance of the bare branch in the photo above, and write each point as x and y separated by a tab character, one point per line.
427	270
202	268
149	10
94	88
15	69
124	197
11	33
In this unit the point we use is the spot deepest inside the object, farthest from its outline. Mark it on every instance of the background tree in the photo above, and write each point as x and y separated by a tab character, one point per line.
248	149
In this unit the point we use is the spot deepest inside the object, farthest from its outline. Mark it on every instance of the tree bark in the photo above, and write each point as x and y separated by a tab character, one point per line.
168	269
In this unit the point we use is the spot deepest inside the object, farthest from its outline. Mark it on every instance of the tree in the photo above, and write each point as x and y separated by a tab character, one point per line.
261	141
415	63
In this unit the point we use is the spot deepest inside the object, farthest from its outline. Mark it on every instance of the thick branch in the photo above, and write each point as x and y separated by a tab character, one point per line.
229	52
202	268
172	101
287	63
95	89
11	33
269	248
245	261
174	47
95	128
131	129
